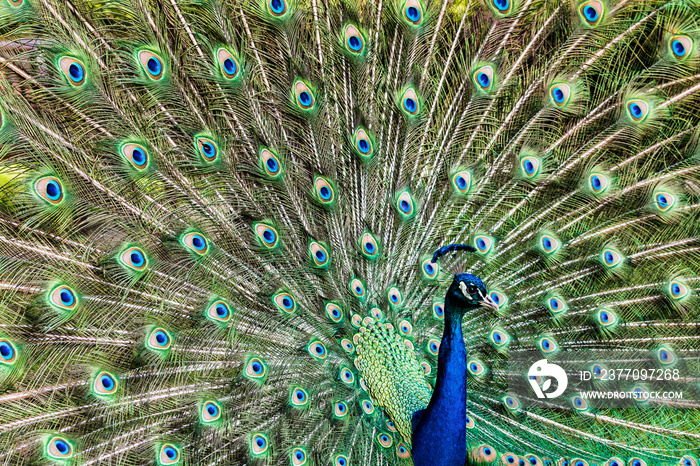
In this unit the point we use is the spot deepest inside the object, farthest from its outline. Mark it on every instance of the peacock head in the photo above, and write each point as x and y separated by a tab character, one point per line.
467	291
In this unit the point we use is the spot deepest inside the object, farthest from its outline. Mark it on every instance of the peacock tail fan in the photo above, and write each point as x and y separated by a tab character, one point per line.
218	219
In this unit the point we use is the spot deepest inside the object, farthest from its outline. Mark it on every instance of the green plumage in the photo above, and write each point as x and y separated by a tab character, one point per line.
217	217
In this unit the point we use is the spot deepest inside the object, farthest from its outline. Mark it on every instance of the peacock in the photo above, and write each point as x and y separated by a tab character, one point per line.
339	232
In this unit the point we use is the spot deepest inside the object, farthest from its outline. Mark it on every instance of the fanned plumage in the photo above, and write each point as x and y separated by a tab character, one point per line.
209	205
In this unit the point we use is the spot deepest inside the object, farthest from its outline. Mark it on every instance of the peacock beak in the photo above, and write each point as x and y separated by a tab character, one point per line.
488	303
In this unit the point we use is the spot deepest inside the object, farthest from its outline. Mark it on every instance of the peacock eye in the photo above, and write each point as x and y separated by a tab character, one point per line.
169	454
49	188
227	63
304	96
195	242
207	149
277	8
471	289
151	64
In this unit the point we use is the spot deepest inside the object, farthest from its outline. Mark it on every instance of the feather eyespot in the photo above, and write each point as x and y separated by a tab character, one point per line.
688	460
410	103
159	340
298	456
598	183
319	255
483	78
678	290
664	201
357	288
369	246
413	12
207	149
385	440
354	40
499	298
509	458
303	95
427	368
317	350
255	369
16	3
346	375
334	312
637	110
347	345
404	205
605	317
592	12
483	244
470	423
152	64
270	163
266	235
530	166
8	353
356	321
340	410
134	258
219	312
196	243
502	6
549	244
285	302
394	297
298	397
499	337
560	94
59	448
579	403
323	191
485	453
461	181
433	346
511	403
340	460
402	451
277	8
610	257
211	412
680	46
50	189
597	371
63	297
73	69
405	328
367	407
363	143
475	368
615	462
439	310
259	444
228	65
580	462
665	356
430	269
556	305
136	155
169	454
105	384
377	313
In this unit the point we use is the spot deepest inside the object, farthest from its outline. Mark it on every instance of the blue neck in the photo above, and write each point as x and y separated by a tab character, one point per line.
439	433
